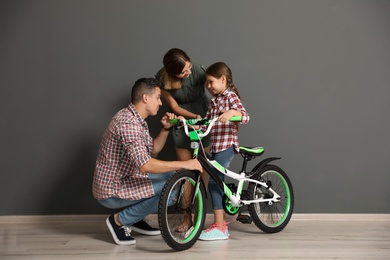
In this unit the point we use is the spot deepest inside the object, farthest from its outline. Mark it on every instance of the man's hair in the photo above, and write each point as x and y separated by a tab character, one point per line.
144	86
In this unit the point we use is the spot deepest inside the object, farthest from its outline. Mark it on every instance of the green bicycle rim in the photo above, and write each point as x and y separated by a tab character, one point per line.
287	208
197	223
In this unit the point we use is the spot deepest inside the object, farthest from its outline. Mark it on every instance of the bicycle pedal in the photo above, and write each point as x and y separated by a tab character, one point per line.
244	219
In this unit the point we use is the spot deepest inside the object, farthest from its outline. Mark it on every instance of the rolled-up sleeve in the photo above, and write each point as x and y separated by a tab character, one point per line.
136	145
236	104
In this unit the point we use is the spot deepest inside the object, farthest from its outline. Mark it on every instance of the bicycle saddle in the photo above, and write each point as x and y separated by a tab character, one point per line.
252	151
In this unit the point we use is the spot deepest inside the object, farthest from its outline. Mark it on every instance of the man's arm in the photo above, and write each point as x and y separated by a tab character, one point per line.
159	141
158	166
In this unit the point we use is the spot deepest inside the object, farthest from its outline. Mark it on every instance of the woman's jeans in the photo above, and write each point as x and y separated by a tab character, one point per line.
223	158
136	210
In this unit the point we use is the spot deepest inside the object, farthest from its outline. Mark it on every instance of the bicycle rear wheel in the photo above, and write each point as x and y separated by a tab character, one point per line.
175	206
271	218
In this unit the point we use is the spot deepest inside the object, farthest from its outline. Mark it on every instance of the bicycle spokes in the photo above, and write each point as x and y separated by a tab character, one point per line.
273	214
182	220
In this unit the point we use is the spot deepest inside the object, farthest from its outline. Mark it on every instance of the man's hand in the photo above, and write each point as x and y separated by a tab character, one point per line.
165	120
193	164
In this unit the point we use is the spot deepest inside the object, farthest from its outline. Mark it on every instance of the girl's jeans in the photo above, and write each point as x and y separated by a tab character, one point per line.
223	158
136	210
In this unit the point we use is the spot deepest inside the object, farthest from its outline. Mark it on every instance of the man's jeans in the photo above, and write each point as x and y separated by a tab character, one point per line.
136	210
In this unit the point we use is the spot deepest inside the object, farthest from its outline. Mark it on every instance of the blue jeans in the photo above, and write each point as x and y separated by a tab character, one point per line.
223	158
136	210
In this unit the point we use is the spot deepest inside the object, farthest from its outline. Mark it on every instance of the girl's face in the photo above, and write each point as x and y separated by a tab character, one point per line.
186	72
215	86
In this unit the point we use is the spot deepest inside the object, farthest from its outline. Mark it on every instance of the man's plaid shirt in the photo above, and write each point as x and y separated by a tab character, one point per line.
125	147
224	135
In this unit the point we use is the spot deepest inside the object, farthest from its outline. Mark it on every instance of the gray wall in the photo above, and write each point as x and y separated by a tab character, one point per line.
314	76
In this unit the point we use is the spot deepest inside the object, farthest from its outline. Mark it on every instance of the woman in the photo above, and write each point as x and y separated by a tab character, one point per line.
185	95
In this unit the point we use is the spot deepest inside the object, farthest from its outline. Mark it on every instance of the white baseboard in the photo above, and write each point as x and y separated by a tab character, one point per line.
99	218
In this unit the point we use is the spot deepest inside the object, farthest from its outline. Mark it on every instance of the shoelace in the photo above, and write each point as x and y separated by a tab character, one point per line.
127	231
214	225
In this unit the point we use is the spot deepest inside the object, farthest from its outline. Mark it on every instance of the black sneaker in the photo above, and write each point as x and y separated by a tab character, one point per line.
121	235
143	227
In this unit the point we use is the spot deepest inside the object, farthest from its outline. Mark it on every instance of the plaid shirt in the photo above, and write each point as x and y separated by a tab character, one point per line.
224	135
125	147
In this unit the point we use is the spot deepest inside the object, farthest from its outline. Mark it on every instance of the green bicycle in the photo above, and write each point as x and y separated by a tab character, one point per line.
268	194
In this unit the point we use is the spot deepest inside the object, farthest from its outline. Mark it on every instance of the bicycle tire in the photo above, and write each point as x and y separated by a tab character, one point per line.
271	218
173	206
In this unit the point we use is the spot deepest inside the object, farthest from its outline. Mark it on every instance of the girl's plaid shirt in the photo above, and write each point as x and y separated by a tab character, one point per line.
224	135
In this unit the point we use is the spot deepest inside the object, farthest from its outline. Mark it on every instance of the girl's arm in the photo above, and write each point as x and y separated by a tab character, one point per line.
225	116
236	105
176	109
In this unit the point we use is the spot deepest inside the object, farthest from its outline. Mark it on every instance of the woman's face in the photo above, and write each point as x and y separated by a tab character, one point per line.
214	85
186	72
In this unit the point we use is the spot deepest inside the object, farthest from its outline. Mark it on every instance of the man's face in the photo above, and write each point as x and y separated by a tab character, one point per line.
154	102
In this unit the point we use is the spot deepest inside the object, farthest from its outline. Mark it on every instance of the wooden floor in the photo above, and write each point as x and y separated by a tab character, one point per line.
307	236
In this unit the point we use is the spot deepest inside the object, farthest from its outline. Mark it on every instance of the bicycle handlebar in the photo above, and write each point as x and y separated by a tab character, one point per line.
202	121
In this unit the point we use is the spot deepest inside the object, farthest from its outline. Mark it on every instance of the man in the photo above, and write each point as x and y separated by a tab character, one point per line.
126	176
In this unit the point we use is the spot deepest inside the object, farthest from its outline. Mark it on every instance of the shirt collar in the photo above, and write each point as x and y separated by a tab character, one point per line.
137	115
224	93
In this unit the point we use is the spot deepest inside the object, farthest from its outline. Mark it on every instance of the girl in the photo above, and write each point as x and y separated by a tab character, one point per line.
225	103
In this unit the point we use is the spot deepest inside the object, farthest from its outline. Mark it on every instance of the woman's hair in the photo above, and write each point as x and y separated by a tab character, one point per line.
174	62
219	69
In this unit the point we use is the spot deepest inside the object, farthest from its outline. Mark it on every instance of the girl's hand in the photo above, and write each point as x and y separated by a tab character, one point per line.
225	116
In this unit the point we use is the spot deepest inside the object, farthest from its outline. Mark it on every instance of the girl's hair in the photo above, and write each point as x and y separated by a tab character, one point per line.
174	62
219	69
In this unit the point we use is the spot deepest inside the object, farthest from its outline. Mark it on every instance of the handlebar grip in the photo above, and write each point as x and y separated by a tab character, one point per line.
235	118
188	121
193	121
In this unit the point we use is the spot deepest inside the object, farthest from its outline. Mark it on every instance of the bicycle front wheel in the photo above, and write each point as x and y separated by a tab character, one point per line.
180	220
271	217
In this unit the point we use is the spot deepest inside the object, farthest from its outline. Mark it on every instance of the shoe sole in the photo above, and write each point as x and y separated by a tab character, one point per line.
117	241
145	232
214	239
